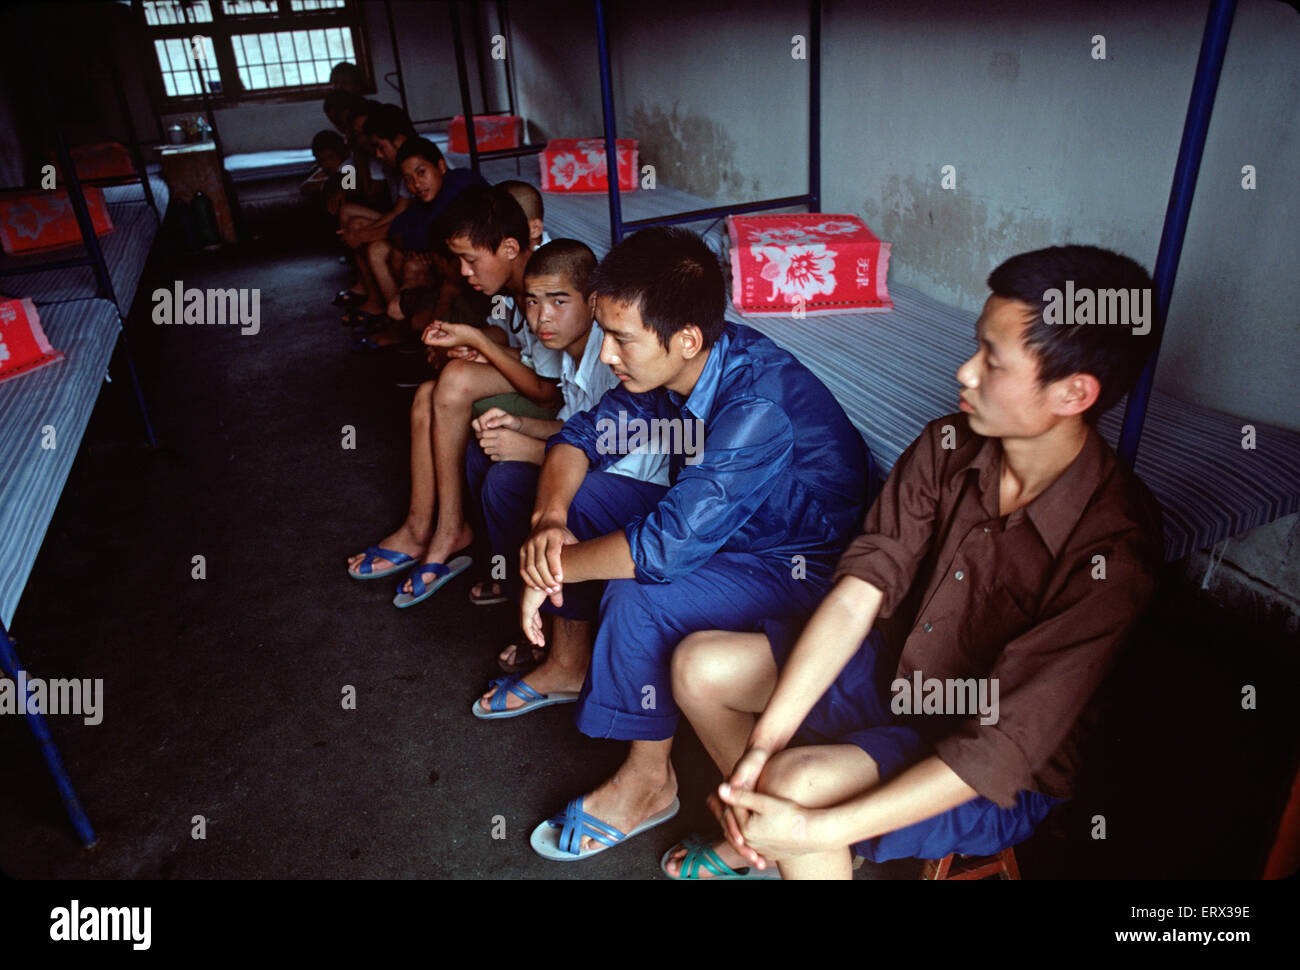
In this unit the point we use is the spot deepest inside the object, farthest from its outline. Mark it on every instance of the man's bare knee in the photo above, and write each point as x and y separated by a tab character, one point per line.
457	384
796	774
702	667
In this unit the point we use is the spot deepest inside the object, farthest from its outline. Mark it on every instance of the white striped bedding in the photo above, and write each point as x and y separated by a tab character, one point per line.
62	395
893	372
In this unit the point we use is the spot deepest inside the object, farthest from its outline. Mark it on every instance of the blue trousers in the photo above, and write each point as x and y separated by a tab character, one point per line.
628	691
855	710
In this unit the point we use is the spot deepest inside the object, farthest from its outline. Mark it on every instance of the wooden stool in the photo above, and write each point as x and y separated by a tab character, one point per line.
1003	866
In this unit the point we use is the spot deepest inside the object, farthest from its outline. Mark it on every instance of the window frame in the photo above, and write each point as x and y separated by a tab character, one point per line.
221	30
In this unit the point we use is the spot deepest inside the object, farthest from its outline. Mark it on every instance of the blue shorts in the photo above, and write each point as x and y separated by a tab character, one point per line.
855	710
411	227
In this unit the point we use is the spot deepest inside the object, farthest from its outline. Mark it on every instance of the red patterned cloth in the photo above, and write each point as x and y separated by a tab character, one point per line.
23	344
34	221
103	160
578	165
784	265
491	133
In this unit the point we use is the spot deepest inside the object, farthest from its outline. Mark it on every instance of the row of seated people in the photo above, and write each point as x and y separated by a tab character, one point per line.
678	508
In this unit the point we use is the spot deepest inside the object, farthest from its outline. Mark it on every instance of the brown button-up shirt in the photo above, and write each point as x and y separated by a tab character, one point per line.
1040	600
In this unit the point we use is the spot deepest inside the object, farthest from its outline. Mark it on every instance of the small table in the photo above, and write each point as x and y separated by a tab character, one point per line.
194	168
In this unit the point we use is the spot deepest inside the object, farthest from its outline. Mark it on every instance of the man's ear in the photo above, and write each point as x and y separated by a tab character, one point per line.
1075	394
591	304
442	166
535	228
509	248
692	341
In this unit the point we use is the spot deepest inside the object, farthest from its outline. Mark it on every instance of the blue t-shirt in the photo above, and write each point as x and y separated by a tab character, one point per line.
413	225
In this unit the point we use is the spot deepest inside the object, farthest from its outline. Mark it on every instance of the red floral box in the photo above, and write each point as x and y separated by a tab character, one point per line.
491	133
34	221
808	262
578	165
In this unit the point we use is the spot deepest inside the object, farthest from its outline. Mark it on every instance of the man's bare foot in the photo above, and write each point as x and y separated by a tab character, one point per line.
546	679
628	799
724	849
486	592
405	539
441	548
724	852
512	656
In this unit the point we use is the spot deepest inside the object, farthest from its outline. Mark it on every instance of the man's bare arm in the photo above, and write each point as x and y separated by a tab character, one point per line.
922	791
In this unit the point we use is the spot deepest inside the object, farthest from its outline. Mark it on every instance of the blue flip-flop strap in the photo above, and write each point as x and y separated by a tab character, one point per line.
574	823
379	552
417	577
512	685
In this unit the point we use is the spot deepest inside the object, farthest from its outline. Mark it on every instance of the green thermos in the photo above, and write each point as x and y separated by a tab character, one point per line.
205	221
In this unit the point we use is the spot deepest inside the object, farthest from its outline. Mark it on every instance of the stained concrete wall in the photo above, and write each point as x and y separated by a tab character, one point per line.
1048	144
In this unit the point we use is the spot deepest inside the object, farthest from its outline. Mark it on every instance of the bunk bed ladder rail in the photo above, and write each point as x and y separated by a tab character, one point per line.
1214	44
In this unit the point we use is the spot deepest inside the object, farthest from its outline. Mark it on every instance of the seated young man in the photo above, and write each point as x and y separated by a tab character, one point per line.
1034	552
323	186
489	235
530	200
503	465
360	225
767	479
403	259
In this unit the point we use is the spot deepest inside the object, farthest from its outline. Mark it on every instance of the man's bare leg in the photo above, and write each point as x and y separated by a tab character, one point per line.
721	682
565	666
413	535
376	256
459	386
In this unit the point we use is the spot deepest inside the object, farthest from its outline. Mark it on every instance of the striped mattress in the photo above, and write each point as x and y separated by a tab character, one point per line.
894	372
61	395
126	249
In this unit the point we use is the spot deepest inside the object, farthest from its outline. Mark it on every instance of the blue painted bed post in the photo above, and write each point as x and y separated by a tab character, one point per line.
815	106
1214	44
611	135
466	106
11	666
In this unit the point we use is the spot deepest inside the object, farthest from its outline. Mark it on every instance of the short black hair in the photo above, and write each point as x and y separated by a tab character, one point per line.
337	102
566	258
328	141
345	72
527	196
487	215
1113	354
418	146
388	122
365	107
673	279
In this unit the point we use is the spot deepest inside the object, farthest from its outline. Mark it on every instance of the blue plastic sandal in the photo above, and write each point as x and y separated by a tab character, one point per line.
531	698
419	591
560	838
366	570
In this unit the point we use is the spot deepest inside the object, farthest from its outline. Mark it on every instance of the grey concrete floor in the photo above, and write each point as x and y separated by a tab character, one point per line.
223	695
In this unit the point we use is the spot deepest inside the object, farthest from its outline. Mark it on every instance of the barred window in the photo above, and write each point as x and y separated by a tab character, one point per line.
242	50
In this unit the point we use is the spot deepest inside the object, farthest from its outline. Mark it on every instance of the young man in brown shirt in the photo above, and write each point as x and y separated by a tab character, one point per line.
1034	553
